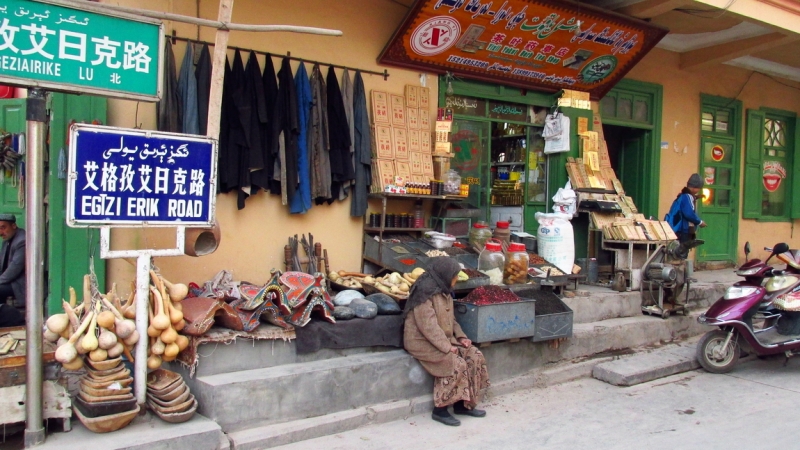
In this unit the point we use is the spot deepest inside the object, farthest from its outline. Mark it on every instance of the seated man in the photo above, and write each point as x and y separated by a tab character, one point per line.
12	260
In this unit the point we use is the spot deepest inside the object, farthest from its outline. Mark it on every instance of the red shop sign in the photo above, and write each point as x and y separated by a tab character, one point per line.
544	44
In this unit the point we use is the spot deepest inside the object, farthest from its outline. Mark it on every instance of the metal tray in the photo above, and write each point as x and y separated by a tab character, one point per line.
553	317
488	323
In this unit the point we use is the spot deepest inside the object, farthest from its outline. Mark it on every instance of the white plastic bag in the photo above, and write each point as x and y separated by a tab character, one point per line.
556	143
556	240
565	201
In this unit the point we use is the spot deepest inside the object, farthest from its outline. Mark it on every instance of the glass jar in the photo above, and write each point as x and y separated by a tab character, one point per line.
479	234
501	232
491	262
517	262
419	215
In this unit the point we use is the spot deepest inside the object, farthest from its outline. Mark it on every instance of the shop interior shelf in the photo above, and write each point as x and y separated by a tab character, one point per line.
517	163
415	196
510	136
377	229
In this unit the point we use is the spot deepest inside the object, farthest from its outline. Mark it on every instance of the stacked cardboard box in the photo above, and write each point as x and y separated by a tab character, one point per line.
401	137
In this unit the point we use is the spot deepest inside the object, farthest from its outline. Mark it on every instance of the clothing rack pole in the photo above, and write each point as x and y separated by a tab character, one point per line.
384	74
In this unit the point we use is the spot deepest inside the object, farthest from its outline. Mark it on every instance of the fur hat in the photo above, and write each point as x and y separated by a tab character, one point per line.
695	181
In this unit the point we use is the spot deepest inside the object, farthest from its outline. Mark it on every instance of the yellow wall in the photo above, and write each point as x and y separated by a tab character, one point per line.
253	239
681	126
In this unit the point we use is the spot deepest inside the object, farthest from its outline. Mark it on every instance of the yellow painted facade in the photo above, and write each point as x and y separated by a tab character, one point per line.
253	239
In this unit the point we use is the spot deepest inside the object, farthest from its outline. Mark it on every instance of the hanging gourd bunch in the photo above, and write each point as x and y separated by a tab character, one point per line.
166	320
100	327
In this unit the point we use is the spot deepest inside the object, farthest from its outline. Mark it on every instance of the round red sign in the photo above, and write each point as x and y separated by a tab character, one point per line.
717	153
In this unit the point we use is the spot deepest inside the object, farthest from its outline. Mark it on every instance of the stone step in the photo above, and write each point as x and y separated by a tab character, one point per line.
144	433
297	391
604	304
648	366
512	366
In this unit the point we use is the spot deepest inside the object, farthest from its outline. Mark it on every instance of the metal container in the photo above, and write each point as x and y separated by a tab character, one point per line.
553	316
487	323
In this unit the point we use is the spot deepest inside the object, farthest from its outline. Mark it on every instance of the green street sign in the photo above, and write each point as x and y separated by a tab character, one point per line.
57	46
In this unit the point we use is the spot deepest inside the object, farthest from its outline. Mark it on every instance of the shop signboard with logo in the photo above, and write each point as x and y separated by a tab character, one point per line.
52	45
548	44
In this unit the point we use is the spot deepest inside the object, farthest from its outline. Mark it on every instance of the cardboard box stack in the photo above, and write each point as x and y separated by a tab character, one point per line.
593	172
401	139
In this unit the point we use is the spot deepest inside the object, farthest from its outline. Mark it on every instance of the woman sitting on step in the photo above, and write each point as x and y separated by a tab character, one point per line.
435	339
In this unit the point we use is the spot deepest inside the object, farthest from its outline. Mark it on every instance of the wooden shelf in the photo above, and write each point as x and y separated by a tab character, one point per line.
413	196
507	136
389	230
502	164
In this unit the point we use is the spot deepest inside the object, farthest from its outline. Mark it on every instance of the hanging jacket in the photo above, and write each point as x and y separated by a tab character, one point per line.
253	112
347	99
240	131
187	92
339	135
285	131
264	178
362	145
319	146
202	75
302	200
169	114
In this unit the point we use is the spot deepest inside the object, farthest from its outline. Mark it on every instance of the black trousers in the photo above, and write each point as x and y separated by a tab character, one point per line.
10	316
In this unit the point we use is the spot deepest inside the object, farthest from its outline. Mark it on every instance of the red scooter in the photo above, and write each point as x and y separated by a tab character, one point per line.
734	314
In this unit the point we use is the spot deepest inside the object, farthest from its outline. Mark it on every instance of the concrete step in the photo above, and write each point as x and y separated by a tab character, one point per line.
649	366
144	433
274	435
512	366
297	391
604	304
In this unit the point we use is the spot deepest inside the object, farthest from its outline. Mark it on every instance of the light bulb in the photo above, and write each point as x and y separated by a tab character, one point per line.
449	89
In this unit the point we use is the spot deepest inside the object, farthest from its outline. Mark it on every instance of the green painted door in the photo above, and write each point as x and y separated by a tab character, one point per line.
718	208
470	140
12	120
67	249
631	164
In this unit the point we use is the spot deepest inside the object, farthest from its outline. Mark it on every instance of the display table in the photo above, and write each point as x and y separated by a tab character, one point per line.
630	256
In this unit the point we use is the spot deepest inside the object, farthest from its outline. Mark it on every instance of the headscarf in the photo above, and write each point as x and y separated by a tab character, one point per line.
437	279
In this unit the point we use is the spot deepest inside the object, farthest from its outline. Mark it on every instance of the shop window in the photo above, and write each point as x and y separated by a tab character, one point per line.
708	121
627	105
467	106
769	160
640	111
624	108
608	106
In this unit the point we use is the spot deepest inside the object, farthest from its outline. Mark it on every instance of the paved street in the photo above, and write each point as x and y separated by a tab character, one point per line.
754	406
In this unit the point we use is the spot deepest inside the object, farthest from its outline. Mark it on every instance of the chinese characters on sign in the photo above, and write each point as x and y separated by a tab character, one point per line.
134	177
68	49
544	43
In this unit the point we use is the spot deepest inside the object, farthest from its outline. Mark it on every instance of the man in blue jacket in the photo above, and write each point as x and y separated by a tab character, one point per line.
682	215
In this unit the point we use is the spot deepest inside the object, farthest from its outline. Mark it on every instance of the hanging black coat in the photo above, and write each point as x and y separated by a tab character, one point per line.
202	73
285	130
241	135
253	113
263	177
362	149
227	163
169	116
339	137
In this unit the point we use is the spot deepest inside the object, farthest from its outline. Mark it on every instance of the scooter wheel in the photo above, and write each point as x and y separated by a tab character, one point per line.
712	357
665	314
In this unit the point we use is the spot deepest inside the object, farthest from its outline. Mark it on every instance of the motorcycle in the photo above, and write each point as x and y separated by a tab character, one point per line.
754	271
774	306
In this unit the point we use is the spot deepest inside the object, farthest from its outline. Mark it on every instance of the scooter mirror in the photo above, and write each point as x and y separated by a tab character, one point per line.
780	248
747	247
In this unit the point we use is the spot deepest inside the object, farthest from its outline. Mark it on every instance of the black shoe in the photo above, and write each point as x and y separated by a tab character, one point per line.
469	412
445	418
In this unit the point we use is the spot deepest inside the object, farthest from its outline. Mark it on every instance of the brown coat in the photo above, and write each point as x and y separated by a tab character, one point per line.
430	331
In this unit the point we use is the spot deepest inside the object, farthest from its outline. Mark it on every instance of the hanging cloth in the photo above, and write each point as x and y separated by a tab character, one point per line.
285	128
339	135
226	161
264	178
347	99
187	92
169	114
302	200
319	144
240	134
254	118
202	75
362	149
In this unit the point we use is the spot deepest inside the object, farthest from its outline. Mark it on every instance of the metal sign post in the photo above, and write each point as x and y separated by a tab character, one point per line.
143	264
123	178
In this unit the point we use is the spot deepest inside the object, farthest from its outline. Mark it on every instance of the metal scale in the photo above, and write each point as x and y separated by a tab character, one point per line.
666	269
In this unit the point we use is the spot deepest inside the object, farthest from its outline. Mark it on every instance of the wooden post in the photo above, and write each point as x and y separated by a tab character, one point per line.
218	69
